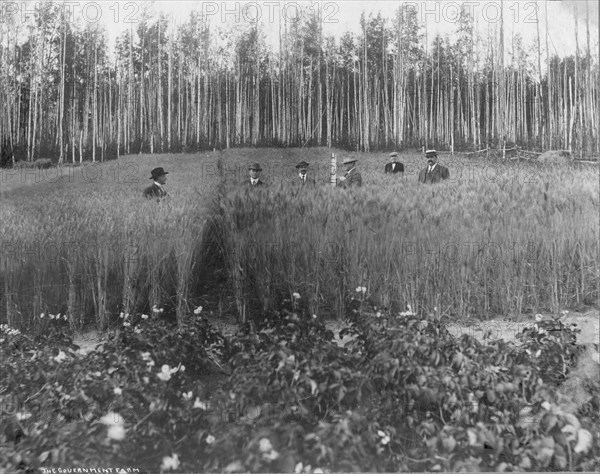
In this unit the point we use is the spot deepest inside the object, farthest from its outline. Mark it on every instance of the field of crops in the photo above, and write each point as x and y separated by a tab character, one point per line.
396	260
496	238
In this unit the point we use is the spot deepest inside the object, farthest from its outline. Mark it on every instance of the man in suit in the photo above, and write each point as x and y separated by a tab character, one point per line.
395	166
351	177
254	179
156	189
303	179
434	172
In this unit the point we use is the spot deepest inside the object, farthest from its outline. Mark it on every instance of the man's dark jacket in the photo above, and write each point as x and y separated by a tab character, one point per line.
439	172
398	168
154	191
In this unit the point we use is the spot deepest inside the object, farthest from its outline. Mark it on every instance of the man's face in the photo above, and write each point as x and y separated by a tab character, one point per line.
162	179
394	158
254	174
302	170
432	160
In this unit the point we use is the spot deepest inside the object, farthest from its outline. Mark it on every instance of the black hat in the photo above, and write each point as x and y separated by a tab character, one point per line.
255	167
302	164
430	153
157	173
394	154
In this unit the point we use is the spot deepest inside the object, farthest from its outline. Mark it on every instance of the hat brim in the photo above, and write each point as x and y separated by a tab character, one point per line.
159	175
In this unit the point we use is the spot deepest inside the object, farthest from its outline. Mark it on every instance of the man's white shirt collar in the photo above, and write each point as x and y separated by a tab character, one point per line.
254	180
159	185
431	167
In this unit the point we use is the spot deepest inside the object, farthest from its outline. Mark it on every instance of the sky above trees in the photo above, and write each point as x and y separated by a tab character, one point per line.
439	17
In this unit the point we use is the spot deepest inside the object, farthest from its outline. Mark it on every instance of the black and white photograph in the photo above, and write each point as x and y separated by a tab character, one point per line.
304	237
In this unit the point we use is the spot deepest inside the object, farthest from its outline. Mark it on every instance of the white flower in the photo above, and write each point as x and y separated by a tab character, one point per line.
182	368
144	316
117	391
198	310
170	462
156	310
166	372
378	314
60	357
385	440
264	445
546	406
111	419
51	316
126	324
296	296
318	471
137	330
165	377
314	316
210	439
65	317
146	380
161	310
199	404
145	355
361	289
42	316
121	315
187	396
97	373
271	455
116	432
381	433
299	467
58	316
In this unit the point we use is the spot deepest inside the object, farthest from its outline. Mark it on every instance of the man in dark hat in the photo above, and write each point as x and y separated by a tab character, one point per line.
303	179
434	172
156	190
395	166
254	179
351	177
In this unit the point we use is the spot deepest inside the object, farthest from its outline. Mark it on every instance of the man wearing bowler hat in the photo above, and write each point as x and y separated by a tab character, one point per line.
395	166
156	190
254	179
351	177
303	179
434	172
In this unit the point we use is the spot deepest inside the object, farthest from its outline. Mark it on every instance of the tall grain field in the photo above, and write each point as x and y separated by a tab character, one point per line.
496	238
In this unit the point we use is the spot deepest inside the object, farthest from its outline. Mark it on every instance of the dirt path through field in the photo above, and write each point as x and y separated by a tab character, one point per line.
588	322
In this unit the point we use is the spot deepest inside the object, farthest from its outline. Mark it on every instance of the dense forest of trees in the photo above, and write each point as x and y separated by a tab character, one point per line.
195	86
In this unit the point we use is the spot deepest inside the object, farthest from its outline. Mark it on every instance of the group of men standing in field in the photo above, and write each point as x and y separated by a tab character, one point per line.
433	173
